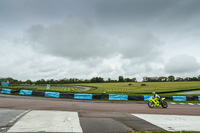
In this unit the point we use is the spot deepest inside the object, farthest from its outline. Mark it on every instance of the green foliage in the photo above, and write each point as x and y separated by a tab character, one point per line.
171	78
28	81
121	88
97	79
124	88
43	88
58	89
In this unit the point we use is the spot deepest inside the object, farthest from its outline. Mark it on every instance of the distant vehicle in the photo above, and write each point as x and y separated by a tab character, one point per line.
155	103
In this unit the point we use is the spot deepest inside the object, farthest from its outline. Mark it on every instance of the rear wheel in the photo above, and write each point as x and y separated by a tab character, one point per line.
164	104
151	104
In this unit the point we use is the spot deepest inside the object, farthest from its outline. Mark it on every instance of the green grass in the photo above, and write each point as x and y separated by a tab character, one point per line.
124	88
58	89
43	88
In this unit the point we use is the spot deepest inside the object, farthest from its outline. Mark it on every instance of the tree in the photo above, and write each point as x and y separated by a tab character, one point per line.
179	79
162	79
187	79
109	80
127	80
198	77
194	79
145	79
28	81
134	80
171	78
121	79
97	80
42	81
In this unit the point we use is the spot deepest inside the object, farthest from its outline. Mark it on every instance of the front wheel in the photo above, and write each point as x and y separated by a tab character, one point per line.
151	104
164	104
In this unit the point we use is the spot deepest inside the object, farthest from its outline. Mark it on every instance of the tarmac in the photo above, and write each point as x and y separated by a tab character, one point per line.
89	116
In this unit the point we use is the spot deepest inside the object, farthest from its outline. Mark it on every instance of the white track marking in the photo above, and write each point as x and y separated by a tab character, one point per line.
190	103
3	128
173	103
48	121
173	122
14	119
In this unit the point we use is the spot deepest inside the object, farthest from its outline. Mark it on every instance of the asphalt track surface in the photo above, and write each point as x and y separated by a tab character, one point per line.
95	116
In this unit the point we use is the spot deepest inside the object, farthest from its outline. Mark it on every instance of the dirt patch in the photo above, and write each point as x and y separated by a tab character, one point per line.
83	88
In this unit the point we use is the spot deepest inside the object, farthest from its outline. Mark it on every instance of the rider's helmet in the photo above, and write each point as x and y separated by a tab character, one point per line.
153	93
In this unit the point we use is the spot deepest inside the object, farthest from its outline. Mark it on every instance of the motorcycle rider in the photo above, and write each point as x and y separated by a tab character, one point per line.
156	96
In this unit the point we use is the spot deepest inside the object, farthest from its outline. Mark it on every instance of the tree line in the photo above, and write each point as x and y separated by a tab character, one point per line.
170	78
68	81
92	80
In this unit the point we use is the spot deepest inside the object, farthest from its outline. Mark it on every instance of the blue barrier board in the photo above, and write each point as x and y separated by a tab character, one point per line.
179	98
199	98
25	92
146	98
4	84
52	94
6	91
118	97
82	96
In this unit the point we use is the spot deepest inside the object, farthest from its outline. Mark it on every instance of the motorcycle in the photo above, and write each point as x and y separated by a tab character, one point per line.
155	103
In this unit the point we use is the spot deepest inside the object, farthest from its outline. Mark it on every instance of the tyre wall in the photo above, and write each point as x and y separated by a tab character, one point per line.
95	96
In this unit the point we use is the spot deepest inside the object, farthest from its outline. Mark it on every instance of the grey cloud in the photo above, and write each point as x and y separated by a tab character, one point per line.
139	44
75	38
81	38
107	38
147	11
24	11
144	13
134	9
182	64
133	68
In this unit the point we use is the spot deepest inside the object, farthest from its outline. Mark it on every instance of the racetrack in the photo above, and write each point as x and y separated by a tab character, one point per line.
35	103
97	116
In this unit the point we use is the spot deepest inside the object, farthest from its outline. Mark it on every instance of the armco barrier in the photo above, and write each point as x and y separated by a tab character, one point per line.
38	93
96	96
179	98
136	97
190	98
52	94
82	96
100	96
67	95
196	98
25	92
15	91
6	91
146	98
118	97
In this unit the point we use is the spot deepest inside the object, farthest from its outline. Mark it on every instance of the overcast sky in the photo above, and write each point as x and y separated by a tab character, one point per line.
45	39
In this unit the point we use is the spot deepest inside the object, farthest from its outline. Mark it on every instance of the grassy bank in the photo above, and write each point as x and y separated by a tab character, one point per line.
43	88
123	88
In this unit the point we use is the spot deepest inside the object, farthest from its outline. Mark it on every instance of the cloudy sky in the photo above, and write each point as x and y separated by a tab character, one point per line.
107	38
